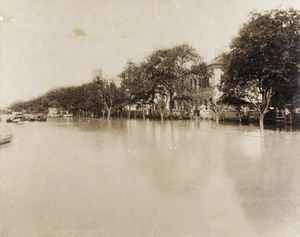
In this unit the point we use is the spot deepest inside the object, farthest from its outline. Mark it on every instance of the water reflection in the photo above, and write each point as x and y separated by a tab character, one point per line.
146	178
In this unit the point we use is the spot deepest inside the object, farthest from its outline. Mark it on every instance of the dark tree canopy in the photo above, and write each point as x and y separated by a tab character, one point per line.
172	69
107	94
164	76
264	58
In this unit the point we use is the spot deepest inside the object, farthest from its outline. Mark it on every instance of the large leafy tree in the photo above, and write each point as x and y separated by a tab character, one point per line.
171	69
107	94
163	76
264	58
135	84
212	96
195	89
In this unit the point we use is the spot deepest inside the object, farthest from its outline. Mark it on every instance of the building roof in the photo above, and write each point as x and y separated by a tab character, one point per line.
233	101
216	62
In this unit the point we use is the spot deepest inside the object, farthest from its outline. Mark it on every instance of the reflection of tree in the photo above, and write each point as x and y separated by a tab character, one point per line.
183	171
265	176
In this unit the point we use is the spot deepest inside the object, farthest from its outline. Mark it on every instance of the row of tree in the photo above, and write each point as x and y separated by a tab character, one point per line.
90	99
262	67
166	76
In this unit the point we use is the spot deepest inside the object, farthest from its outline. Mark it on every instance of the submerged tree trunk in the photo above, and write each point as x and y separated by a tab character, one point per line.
152	111
143	111
217	117
108	113
263	108
171	102
161	112
261	122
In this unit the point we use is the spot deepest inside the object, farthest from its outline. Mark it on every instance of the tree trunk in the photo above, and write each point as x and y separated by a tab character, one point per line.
171	102
143	111
108	112
261	122
217	118
128	114
161	112
152	111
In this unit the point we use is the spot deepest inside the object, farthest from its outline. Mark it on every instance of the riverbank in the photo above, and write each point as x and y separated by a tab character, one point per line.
226	116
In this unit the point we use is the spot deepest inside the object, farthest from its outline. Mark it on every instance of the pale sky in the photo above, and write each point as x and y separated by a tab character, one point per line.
52	43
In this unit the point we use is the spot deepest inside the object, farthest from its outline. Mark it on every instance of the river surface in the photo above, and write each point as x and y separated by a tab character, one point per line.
94	178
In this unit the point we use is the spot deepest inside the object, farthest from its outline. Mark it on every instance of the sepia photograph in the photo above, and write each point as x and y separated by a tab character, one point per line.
149	118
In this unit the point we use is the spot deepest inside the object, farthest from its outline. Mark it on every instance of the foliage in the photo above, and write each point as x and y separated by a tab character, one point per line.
166	75
135	84
212	97
162	77
171	70
263	58
107	94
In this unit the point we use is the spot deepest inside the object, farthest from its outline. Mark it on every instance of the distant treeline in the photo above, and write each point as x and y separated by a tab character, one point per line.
166	76
262	67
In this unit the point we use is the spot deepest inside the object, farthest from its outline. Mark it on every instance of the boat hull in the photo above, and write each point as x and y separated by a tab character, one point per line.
5	139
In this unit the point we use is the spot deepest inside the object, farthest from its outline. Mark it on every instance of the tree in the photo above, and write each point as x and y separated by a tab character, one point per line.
212	96
107	93
263	58
192	90
136	85
171	69
163	77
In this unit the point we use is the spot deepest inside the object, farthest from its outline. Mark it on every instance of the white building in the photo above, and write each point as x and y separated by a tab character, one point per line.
215	68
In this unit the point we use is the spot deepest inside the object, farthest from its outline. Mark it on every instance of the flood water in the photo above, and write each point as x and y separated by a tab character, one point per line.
93	178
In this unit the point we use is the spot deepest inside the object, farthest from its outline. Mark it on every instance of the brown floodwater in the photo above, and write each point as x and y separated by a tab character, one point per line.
93	178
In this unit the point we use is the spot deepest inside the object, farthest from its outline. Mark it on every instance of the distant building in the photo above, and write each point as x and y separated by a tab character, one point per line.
215	68
54	112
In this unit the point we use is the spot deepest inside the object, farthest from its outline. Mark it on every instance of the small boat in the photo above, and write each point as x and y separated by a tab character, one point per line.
54	115
31	119
4	139
68	115
16	119
41	118
26	117
5	135
9	120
